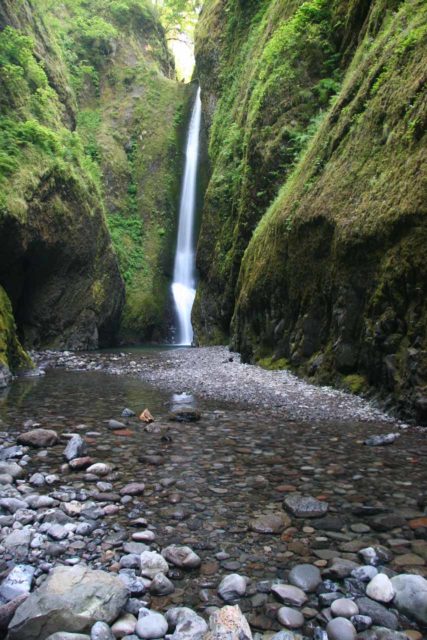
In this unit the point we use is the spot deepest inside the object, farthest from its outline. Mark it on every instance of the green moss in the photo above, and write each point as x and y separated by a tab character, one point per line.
355	383
273	364
12	354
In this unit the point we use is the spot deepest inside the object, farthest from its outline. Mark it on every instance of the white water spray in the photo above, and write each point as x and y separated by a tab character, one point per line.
184	281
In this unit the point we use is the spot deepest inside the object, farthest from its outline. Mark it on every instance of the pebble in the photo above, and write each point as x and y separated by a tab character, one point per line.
305	576
150	624
380	588
232	587
289	594
340	629
290	618
344	608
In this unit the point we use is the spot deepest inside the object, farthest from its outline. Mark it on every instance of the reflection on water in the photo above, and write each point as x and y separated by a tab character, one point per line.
232	465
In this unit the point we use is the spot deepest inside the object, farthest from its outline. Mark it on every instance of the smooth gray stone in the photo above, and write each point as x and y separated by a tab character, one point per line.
340	629
379	614
182	557
101	631
411	596
290	618
305	576
150	624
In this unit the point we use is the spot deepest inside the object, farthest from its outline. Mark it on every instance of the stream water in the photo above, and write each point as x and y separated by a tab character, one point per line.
184	284
207	481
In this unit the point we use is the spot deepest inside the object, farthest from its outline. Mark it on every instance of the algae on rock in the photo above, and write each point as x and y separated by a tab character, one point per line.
13	357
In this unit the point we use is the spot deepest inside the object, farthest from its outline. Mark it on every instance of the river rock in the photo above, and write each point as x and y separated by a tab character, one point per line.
76	448
124	626
377	612
344	608
305	576
382	633
380	588
289	594
18	542
13	504
36	501
152	563
115	425
228	623
271	523
411	596
305	506
128	413
365	573
161	585
133	489
381	440
290	618
80	463
38	438
232	587
11	468
18	582
185	414
71	598
340	629
186	623
150	624
7	611
340	568
375	555
101	631
99	469
182	557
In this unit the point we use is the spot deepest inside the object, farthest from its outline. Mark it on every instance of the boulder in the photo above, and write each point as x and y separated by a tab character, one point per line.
411	596
71	598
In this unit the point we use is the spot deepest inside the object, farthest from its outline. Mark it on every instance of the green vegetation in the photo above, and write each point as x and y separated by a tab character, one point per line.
273	364
12	355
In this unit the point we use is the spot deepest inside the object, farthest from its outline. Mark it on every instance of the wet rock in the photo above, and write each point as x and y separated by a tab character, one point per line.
340	568
387	521
232	587
375	555
305	576
80	463
185	414
411	596
182	557
99	469
38	438
380	440
40	502
71	598
76	448
144	536
340	629
124	626
290	618
11	468
135	585
289	594
161	585
152	563
18	582
128	413
133	489
271	523
377	612
380	588
37	480
305	506
115	424
361	623
101	631
228	622
150	624
344	608
364	574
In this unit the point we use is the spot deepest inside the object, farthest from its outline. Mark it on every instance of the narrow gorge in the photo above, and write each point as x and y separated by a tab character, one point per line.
213	319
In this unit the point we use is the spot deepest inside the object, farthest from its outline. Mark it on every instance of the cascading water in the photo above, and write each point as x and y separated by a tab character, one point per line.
184	280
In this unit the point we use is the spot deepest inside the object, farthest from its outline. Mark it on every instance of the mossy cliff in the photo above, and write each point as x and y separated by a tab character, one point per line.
13	358
315	211
89	169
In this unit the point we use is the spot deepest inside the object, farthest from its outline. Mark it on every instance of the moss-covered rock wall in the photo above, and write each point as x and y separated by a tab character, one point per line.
315	211
13	358
90	124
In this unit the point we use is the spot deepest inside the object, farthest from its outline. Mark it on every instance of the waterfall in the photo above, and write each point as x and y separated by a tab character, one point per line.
184	281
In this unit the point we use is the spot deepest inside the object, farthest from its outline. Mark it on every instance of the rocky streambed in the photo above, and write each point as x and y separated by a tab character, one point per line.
253	505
